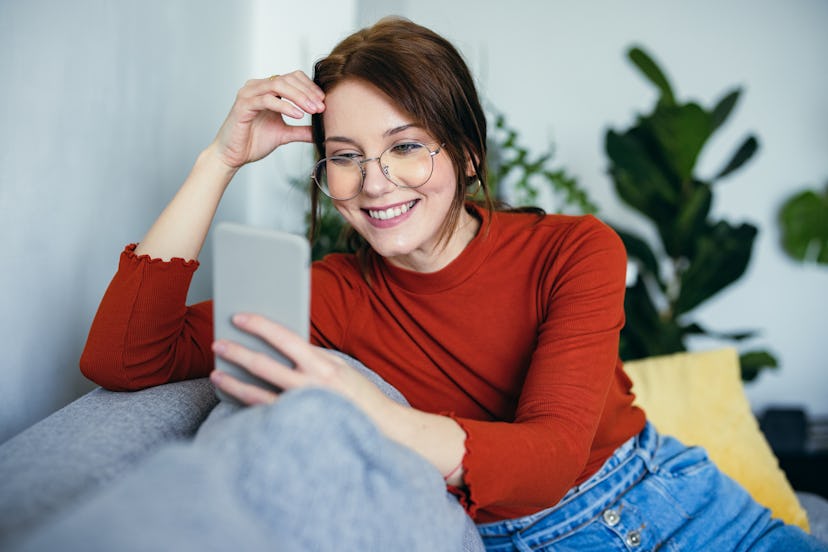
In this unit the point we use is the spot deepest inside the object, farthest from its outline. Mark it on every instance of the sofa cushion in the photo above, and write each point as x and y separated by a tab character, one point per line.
92	441
699	399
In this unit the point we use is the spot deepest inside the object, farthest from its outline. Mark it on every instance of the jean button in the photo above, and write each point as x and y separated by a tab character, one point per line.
633	538
611	517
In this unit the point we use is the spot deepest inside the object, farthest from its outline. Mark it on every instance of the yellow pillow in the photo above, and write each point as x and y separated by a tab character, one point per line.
698	398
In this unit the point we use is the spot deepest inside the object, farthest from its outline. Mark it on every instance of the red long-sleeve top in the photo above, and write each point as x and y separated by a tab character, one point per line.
516	339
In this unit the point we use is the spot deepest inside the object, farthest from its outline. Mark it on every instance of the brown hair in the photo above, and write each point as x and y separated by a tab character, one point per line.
426	77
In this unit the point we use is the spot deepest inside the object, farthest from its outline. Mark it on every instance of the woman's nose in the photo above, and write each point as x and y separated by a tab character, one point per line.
375	181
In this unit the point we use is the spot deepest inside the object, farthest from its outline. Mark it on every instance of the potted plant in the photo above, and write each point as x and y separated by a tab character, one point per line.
653	168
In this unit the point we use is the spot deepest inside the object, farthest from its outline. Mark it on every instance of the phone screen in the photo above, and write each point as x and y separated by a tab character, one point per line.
259	271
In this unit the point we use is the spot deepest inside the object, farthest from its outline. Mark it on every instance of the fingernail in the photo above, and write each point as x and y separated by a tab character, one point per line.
239	319
219	347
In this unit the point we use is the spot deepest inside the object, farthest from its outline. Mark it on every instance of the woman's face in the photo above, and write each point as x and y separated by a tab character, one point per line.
401	224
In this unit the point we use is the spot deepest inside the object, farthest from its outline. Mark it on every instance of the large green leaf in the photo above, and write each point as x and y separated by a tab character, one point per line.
742	156
696	329
680	239
722	111
681	131
722	255
639	181
651	70
646	333
639	249
641	323
804	222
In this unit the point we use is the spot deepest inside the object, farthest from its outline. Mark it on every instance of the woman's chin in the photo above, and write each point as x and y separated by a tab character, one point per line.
391	252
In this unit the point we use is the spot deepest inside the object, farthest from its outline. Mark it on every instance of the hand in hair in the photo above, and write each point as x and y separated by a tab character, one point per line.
256	126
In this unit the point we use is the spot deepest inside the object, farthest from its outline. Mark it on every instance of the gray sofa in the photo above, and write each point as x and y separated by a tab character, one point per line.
89	443
99	437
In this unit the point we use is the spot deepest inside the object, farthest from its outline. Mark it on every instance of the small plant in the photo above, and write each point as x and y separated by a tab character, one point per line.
526	175
652	165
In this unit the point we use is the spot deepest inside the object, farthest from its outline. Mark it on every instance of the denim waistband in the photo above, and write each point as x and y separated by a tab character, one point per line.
584	502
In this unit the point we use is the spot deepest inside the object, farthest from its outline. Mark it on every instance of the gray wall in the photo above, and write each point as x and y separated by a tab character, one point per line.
104	106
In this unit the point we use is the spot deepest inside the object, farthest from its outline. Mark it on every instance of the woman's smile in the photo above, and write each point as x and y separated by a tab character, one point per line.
384	217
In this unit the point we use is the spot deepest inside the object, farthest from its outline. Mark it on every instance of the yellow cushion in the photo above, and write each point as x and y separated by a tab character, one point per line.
698	398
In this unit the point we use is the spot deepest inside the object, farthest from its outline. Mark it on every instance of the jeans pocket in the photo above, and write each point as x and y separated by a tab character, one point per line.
675	459
684	476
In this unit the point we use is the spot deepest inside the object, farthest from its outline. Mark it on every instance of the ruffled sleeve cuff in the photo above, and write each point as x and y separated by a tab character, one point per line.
465	494
130	256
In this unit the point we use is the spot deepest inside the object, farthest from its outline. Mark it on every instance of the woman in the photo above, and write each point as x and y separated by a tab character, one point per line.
500	328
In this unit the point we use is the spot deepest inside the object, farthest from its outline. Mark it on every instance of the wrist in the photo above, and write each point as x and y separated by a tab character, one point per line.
439	439
210	159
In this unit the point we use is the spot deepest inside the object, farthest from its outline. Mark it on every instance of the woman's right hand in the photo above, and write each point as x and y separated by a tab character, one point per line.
255	125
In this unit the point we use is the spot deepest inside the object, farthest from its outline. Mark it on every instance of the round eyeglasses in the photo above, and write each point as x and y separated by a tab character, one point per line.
406	165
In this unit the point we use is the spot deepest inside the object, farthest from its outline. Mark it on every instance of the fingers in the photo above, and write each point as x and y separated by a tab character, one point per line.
247	393
291	345
295	88
298	81
312	367
260	365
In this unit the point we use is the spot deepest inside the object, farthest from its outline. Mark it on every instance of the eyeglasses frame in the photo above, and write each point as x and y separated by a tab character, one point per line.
384	170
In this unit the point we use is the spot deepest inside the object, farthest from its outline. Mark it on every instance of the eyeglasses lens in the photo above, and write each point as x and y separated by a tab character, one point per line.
407	165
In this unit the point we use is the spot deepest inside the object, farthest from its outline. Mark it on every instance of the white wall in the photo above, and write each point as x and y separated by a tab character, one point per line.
558	70
103	108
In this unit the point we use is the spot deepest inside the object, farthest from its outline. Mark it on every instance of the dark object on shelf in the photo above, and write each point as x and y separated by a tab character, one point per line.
785	429
801	447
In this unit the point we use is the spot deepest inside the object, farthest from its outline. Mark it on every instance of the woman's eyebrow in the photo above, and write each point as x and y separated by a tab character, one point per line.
340	139
389	132
402	128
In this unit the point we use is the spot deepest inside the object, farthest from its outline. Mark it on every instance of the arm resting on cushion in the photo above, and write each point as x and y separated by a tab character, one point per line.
91	441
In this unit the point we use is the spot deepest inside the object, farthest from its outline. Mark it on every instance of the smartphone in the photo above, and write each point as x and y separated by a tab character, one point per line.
259	271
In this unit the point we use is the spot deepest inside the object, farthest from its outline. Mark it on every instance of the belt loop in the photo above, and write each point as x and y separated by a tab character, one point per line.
647	442
521	546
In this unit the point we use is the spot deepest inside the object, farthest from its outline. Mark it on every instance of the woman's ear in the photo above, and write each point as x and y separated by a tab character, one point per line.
470	164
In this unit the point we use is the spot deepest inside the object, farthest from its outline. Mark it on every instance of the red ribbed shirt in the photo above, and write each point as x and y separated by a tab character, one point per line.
516	339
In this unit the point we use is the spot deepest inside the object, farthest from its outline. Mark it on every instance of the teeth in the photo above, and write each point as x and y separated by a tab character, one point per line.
391	212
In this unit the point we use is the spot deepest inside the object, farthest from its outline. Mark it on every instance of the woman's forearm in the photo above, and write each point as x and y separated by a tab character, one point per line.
438	438
182	227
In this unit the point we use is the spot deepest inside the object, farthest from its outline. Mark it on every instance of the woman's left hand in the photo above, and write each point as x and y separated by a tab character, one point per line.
438	438
313	367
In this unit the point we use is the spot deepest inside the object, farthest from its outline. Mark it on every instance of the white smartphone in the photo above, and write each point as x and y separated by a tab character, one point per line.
258	271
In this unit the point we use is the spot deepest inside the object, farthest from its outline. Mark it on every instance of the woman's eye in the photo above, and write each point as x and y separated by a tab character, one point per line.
347	155
340	160
407	148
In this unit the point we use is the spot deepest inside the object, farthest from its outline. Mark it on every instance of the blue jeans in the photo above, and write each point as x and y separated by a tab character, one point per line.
653	493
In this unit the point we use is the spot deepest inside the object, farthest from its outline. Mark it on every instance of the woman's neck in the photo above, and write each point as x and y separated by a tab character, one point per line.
443	253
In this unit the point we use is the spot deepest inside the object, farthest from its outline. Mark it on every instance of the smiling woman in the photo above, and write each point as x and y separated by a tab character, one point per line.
500	328
401	206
